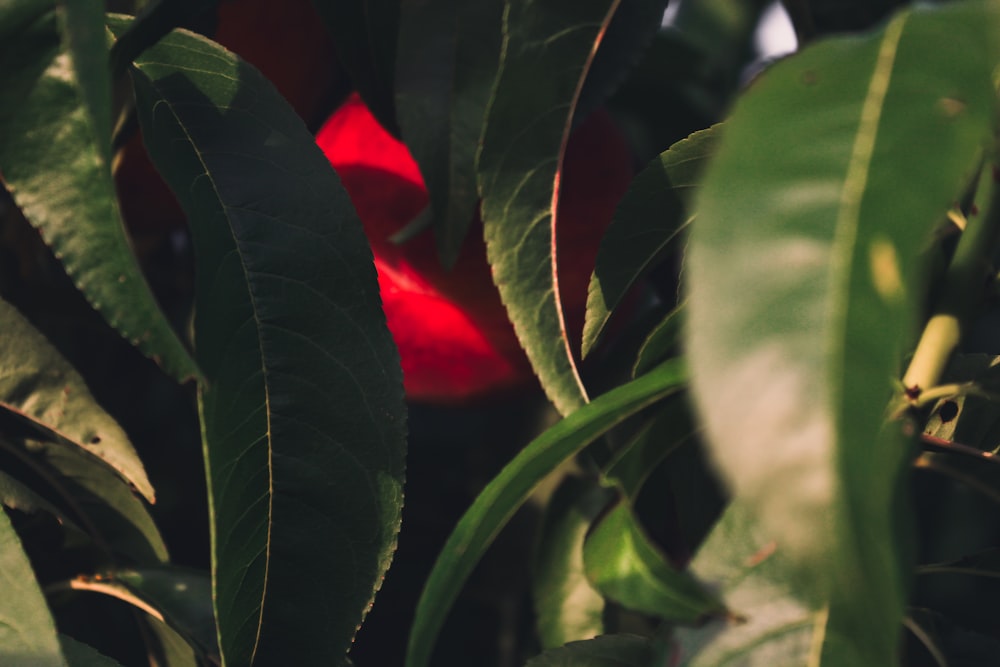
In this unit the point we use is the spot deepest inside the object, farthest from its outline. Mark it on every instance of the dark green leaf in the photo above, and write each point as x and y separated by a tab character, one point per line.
652	215
154	20
497	503
16	496
27	633
302	408
38	385
625	566
448	55
55	164
79	654
365	33
605	651
547	49
661	341
86	39
567	607
179	597
801	274
982	564
628	36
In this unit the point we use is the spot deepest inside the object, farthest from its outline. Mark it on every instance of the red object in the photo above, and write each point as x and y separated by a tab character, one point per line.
454	338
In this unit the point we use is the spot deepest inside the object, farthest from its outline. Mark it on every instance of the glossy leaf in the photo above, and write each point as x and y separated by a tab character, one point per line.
364	33
55	166
448	55
626	567
605	651
653	213
302	409
501	498
546	52
567	607
79	654
801	276
27	632
38	385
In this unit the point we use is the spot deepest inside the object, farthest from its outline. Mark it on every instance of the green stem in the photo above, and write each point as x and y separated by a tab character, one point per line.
964	287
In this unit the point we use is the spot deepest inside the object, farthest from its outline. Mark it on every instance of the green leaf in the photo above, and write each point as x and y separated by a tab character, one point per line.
27	633
501	498
302	407
605	651
628	36
364	33
661	341
448	55
179	597
55	164
626	567
38	385
982	564
652	215
79	654
171	649
766	624
567	607
801	274
86	38
546	52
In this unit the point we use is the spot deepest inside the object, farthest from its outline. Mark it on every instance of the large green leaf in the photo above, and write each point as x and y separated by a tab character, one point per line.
55	163
86	39
501	498
605	651
547	48
652	214
447	59
40	386
801	275
302	407
626	567
27	632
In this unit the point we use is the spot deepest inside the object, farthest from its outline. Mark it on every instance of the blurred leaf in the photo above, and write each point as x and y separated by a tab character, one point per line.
661	341
652	215
625	566
546	51
605	651
448	55
766	625
27	633
365	33
567	607
171	649
86	39
982	564
79	654
628	35
55	165
38	385
501	498
799	271
302	409
179	597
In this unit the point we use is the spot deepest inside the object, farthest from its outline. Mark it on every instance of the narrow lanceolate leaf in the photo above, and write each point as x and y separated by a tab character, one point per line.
801	290
606	651
39	386
302	408
364	32
447	58
501	498
653	213
626	567
27	632
55	164
547	49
